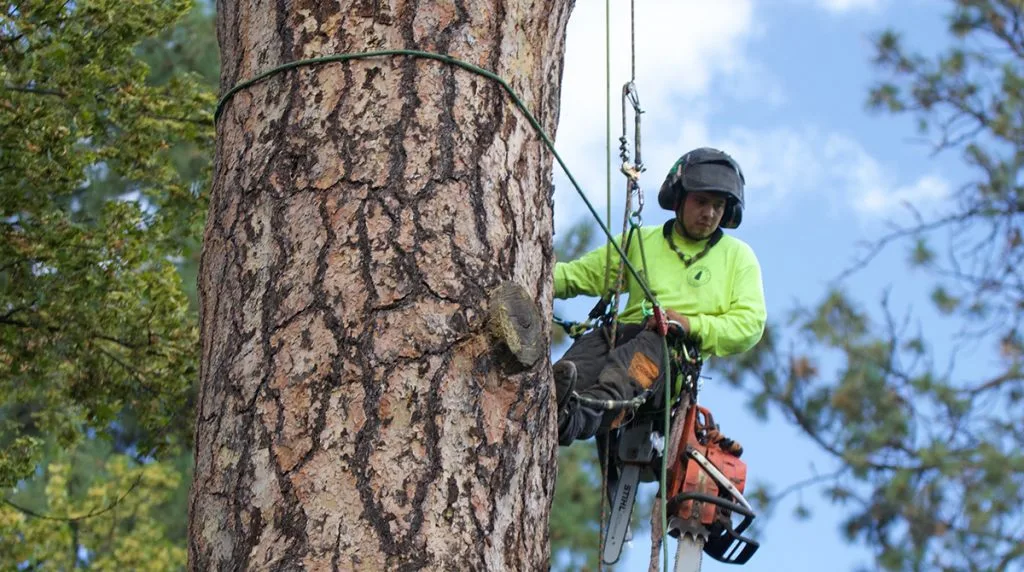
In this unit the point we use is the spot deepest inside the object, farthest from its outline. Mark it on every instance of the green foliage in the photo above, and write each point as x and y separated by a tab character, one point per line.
921	255
100	172
95	321
576	510
105	515
187	49
945	302
576	241
190	46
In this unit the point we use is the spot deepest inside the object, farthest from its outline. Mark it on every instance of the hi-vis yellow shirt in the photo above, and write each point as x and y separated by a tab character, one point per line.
721	293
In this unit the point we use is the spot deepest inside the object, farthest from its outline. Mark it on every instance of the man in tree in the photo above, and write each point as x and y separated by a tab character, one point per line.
709	284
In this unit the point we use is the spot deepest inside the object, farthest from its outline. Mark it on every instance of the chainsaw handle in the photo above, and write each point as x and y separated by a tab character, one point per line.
698	420
708	419
748	515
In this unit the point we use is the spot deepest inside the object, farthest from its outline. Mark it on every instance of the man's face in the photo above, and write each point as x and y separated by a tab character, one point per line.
701	213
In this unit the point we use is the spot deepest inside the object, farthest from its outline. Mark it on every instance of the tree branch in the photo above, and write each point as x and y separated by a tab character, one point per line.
34	90
874	249
1014	375
809	482
92	514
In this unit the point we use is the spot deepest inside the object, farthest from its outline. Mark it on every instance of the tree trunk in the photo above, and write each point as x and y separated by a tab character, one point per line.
356	411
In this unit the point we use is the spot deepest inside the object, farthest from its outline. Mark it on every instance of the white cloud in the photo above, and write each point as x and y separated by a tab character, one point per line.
787	164
776	163
844	6
927	189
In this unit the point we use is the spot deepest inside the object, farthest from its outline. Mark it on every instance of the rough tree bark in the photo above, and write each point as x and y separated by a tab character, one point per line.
355	410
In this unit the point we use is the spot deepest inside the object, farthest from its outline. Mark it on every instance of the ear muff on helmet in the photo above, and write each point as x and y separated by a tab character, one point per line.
733	215
709	170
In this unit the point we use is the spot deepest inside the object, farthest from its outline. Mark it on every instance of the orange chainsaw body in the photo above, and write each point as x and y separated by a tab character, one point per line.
695	478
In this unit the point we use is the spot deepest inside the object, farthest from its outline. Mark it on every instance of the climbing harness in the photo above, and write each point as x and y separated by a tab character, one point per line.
701	487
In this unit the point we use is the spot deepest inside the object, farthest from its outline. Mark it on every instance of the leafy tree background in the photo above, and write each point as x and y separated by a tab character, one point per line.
106	123
107	136
928	444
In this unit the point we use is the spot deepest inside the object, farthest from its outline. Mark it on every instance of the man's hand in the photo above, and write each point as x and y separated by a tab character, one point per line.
672	316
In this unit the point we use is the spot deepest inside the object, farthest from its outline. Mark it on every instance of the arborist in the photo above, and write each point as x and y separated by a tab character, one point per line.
708	283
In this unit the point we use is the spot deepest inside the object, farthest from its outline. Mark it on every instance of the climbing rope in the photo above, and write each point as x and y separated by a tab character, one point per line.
631	224
608	252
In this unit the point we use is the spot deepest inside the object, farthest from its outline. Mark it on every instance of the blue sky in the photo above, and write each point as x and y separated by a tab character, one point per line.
781	85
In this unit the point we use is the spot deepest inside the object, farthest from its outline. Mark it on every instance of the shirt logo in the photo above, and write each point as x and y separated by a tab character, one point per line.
698	276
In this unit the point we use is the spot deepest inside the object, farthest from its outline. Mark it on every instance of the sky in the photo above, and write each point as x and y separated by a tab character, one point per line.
781	86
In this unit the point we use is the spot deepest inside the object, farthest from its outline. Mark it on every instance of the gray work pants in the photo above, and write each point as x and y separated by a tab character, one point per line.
620	374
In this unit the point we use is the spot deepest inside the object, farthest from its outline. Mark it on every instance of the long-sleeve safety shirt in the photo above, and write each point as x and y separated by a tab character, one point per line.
721	293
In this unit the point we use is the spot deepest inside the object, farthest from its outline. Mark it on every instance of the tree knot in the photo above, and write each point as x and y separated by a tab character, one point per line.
514	322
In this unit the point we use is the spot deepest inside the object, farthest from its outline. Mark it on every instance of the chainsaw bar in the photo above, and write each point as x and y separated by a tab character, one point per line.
689	552
636	450
622	512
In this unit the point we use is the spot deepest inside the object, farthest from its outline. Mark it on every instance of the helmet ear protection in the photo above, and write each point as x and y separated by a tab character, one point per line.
709	170
733	215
